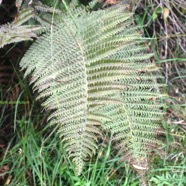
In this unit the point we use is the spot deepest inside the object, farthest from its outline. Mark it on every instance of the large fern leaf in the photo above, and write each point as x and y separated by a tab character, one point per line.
92	69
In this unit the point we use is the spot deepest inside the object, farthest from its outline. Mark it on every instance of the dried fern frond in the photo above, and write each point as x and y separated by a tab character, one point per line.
92	69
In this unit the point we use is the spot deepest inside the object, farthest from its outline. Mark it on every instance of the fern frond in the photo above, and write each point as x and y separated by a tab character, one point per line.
12	34
135	122
16	32
93	71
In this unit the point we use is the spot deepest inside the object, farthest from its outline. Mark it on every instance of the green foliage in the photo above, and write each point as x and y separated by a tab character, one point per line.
93	69
35	156
35	159
168	179
16	31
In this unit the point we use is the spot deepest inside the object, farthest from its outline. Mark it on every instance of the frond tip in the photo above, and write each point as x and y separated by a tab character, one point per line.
93	72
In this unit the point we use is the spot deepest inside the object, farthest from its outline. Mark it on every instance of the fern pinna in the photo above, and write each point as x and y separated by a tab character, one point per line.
93	69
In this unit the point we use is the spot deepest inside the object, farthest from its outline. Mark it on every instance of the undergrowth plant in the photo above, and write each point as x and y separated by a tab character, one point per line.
93	73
